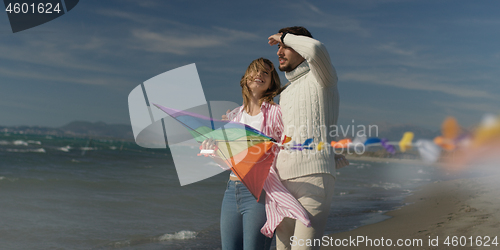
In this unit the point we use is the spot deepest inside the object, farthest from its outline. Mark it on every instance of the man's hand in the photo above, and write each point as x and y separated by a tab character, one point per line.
274	39
340	161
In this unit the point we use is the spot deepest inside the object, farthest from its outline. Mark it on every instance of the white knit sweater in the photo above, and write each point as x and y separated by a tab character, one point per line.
310	107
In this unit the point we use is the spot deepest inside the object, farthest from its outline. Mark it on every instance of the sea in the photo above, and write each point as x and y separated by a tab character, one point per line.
88	193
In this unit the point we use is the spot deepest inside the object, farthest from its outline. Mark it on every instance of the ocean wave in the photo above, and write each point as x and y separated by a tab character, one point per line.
182	235
420	180
88	148
3	178
64	149
19	142
387	185
34	150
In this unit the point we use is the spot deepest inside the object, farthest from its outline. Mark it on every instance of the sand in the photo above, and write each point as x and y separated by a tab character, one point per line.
386	160
466	208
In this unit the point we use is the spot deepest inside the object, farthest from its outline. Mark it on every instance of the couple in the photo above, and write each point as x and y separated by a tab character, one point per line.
309	102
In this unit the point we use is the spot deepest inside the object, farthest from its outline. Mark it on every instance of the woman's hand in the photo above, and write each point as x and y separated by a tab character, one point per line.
224	117
208	144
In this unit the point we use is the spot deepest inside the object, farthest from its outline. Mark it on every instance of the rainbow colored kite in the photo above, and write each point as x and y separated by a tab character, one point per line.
248	152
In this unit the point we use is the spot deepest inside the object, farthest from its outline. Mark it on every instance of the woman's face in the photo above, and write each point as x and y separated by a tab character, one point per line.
258	82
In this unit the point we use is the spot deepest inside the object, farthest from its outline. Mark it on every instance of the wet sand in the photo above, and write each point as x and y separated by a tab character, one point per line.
466	208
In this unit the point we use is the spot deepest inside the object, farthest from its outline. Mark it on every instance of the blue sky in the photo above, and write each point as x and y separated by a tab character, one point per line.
400	62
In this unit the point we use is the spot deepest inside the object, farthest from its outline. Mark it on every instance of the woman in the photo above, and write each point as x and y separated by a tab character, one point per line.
242	217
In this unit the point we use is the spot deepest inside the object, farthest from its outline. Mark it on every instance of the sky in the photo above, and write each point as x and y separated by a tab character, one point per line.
398	62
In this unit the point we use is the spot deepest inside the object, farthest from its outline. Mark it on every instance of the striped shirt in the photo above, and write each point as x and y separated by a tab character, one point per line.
279	202
271	126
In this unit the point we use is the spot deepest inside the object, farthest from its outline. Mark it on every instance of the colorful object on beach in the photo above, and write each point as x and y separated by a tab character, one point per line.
241	147
488	131
429	151
372	140
451	134
483	146
450	128
405	142
359	140
344	143
444	143
307	143
286	139
320	145
388	147
301	146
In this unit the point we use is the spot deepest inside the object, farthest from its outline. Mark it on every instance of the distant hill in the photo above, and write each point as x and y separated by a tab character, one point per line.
394	132
97	129
77	128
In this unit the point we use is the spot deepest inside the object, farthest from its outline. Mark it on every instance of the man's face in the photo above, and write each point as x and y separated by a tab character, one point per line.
288	58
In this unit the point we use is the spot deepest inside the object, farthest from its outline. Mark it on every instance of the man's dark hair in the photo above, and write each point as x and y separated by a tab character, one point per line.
296	30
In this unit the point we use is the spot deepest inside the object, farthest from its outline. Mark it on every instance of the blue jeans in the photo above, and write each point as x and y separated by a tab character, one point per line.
241	219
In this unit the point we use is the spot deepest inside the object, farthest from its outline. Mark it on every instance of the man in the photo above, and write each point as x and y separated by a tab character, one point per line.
310	105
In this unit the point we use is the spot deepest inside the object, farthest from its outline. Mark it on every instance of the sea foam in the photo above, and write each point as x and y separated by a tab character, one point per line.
182	235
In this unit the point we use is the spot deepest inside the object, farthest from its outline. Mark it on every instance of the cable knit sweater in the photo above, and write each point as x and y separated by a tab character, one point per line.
310	107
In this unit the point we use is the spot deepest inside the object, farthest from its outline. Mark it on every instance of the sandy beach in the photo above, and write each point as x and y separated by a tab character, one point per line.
461	213
386	160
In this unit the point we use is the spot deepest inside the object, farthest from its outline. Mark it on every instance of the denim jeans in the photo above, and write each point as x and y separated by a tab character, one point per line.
241	219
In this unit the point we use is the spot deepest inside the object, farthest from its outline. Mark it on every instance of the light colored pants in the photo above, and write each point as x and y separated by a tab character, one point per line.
315	193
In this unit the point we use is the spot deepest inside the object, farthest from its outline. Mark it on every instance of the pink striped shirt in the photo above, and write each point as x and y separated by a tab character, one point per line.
279	202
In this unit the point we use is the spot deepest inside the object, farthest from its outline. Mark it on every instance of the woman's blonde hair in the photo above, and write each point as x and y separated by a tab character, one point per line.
274	87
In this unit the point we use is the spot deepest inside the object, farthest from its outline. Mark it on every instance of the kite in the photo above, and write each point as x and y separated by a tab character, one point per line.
301	146
482	145
428	150
444	143
240	146
450	128
359	140
371	140
405	142
344	143
389	147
